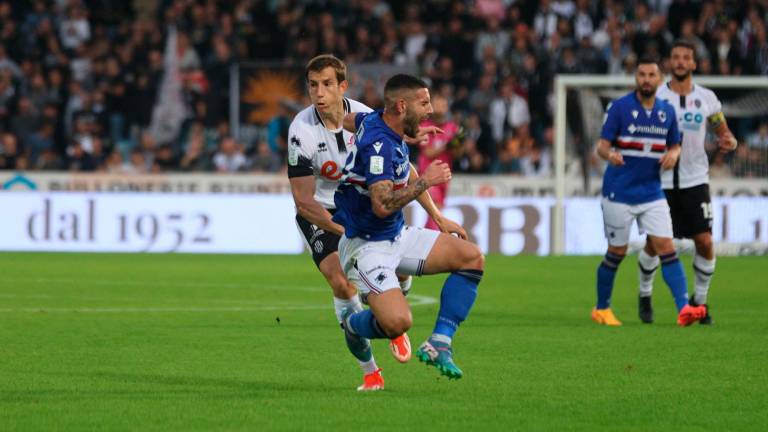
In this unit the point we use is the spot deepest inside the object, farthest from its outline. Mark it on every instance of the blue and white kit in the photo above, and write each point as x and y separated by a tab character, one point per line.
374	250
633	190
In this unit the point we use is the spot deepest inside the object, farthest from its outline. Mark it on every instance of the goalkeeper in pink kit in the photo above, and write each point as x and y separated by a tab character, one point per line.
438	146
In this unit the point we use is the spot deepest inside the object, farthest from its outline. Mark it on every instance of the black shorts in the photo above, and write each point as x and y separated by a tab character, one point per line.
691	210
320	242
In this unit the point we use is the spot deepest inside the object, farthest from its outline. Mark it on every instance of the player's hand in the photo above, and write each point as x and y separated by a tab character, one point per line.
727	143
422	136
669	159
615	158
450	227
438	172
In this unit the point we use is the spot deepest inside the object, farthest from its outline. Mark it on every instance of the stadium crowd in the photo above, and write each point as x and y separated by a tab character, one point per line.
79	78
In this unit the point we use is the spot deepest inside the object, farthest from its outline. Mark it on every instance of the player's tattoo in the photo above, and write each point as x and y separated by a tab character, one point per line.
391	199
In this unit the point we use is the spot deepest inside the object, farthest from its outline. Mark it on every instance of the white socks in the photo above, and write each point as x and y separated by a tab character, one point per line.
340	304
703	269
648	266
405	286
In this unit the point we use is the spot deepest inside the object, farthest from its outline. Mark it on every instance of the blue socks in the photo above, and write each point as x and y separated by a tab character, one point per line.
364	324
458	296
606	274
674	276
456	299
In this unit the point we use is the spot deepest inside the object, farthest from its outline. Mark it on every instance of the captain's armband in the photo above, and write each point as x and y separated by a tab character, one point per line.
716	119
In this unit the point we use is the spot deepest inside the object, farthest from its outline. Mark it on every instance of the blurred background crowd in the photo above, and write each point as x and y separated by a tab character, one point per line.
79	78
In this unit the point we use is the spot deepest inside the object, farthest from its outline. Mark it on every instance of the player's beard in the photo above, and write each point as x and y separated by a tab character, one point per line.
646	92
411	124
682	77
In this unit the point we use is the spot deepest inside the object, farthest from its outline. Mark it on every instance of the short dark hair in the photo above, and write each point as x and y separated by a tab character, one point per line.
401	82
683	43
323	61
648	59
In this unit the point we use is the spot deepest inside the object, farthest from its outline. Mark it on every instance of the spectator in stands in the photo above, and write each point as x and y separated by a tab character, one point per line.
8	151
230	157
759	139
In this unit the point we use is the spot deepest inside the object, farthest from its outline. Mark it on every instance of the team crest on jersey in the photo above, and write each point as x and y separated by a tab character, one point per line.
662	116
380	278
322	147
697	102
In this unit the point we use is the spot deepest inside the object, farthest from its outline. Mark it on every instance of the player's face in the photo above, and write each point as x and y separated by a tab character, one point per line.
682	62
440	105
325	91
418	109
647	79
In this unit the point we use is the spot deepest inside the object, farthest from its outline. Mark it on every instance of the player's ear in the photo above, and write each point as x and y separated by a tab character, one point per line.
343	86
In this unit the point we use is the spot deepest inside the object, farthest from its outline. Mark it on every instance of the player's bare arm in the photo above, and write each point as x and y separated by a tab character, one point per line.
606	152
303	190
422	136
669	159
386	200
726	141
425	200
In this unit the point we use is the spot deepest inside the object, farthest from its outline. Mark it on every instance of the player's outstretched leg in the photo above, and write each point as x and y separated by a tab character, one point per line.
606	274
465	261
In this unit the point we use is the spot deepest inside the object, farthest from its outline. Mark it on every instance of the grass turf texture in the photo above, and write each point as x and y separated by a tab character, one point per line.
190	342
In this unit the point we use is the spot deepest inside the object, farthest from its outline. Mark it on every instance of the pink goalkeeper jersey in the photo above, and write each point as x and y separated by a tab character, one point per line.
449	130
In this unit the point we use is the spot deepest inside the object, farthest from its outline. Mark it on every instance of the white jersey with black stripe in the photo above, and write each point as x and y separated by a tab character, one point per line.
313	149
693	111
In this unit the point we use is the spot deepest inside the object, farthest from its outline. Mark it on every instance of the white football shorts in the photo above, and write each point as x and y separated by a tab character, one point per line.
652	217
373	266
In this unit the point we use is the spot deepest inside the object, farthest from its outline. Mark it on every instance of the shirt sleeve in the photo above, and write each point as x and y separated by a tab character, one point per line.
359	119
611	123
673	135
301	149
377	161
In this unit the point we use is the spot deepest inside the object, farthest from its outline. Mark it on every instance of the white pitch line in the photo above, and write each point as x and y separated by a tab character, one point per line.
86	281
414	300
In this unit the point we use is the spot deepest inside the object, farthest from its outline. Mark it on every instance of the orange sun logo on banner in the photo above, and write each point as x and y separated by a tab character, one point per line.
266	90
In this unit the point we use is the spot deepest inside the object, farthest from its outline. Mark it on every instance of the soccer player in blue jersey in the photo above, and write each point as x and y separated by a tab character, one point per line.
639	138
378	182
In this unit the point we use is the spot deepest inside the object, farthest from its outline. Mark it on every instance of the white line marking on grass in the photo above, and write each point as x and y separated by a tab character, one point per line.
86	281
415	300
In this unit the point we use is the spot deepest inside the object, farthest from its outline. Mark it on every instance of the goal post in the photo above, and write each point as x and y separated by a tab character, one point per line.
752	104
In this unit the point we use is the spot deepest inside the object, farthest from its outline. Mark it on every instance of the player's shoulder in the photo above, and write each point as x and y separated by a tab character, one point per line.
304	120
351	105
705	93
620	103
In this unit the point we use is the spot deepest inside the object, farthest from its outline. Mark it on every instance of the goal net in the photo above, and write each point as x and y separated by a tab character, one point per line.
738	180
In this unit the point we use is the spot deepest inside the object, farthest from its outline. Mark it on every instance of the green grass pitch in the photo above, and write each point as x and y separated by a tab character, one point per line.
192	342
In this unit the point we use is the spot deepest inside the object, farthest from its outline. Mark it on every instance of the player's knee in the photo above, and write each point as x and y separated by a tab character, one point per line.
473	258
704	245
618	250
396	324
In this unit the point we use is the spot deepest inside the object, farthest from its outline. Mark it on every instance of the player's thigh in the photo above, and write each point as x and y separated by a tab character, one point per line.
654	219
391	311
450	253
370	266
617	222
696	211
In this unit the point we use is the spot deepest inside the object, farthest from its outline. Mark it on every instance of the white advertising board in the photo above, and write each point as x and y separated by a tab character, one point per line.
264	223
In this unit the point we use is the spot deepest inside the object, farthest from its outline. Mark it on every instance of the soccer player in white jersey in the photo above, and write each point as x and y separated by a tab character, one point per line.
639	139
317	149
686	186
